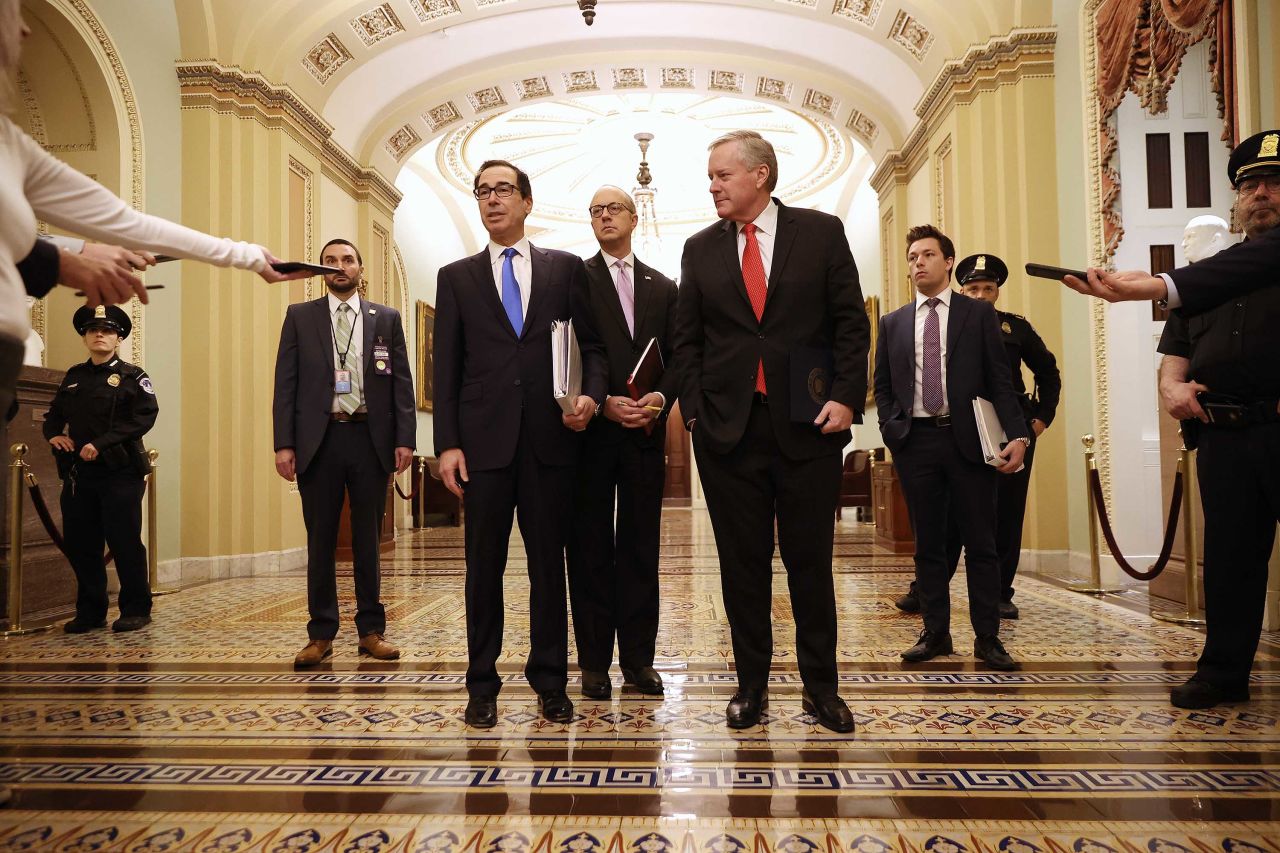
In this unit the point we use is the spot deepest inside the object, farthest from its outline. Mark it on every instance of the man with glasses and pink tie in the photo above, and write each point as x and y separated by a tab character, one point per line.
503	443
613	571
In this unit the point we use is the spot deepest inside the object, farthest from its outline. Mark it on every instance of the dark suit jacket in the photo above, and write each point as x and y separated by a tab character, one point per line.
304	382
655	316
1234	271
976	367
487	380
39	269
813	300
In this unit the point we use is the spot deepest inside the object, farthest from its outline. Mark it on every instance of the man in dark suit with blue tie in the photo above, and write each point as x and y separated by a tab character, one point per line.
613	571
504	444
934	356
344	420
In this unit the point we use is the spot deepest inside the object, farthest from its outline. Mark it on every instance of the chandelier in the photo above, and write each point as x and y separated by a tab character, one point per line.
588	9
644	195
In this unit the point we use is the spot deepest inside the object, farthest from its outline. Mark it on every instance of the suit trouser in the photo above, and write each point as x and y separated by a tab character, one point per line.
1239	476
940	486
541	496
103	508
346	464
747	489
613	574
1011	508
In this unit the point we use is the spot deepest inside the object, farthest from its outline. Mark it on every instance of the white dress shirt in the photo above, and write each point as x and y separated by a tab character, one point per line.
766	233
354	361
922	311
520	264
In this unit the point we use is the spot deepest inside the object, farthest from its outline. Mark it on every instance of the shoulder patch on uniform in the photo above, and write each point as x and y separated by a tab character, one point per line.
145	384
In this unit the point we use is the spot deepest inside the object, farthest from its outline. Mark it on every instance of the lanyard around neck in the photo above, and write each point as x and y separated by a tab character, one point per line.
342	355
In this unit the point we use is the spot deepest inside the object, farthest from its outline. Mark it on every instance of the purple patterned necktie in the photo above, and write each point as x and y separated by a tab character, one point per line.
627	296
931	388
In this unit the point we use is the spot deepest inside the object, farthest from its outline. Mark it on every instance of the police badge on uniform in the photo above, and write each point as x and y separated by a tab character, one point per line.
1006	328
113	380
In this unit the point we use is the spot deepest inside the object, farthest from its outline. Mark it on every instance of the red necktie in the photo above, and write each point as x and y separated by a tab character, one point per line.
757	288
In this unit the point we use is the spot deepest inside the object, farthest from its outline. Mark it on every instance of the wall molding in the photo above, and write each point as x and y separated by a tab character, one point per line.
186	571
207	84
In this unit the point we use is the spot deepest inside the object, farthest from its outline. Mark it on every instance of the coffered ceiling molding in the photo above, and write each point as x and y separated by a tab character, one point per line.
432	10
863	11
863	127
820	102
726	81
581	81
442	115
326	58
677	78
533	87
911	34
402	141
377	24
486	99
769	87
628	78
806	4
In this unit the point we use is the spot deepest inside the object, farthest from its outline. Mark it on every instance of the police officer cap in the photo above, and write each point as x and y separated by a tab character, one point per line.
981	268
1257	155
105	317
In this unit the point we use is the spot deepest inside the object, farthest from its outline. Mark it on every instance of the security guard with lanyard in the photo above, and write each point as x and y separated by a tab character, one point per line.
95	425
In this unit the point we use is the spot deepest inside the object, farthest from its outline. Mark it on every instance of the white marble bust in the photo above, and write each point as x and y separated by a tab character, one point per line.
1205	236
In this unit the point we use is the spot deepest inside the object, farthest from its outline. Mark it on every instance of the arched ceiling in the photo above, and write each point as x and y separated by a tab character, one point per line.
391	76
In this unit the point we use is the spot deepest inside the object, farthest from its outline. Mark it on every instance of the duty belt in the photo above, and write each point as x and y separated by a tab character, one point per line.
1237	413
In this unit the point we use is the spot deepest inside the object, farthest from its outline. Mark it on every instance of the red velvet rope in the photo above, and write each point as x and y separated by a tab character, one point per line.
1175	505
417	486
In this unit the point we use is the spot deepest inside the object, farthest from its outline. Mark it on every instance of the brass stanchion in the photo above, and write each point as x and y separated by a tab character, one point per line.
1094	587
17	469
153	531
1190	547
420	517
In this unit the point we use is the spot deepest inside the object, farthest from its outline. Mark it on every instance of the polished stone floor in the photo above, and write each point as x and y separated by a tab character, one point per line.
197	735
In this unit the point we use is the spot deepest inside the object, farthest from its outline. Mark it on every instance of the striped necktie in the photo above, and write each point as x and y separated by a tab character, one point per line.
350	401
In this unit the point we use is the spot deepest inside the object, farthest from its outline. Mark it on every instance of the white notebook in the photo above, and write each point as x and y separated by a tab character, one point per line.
990	433
566	365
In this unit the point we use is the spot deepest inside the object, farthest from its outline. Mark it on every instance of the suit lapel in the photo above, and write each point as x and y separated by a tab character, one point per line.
729	254
643	281
607	292
782	241
540	264
482	278
960	309
323	324
906	355
369	319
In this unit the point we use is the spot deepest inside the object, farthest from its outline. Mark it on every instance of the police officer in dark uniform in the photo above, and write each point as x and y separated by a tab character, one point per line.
980	277
95	425
1221	376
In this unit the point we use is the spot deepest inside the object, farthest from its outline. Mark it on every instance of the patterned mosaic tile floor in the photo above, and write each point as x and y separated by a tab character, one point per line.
197	735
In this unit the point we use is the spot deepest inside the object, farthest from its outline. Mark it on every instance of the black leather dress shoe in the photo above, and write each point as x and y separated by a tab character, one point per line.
1197	694
745	708
909	603
928	647
130	623
555	706
991	652
596	685
645	679
1008	610
82	626
482	712
830	710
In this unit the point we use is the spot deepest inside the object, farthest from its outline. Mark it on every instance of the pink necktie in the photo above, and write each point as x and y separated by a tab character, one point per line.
627	296
757	288
931	388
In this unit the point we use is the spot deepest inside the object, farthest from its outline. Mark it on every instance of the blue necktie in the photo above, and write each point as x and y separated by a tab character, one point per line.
511	291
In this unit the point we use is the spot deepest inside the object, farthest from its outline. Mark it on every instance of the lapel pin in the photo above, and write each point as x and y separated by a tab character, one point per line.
371	311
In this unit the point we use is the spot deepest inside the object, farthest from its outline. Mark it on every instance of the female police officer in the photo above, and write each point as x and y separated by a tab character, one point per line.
95	425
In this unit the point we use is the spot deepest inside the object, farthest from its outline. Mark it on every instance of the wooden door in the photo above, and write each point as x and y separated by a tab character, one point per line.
678	489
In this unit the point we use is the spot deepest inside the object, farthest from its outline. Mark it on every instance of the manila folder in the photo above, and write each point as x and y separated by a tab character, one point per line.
566	365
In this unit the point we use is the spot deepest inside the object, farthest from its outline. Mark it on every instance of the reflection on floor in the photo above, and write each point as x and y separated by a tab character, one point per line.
197	735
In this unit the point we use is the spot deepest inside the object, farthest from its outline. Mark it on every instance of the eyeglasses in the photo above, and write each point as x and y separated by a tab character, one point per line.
614	208
502	190
1249	186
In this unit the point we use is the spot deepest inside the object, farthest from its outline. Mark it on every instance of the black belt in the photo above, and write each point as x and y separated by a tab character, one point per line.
1235	413
938	421
344	418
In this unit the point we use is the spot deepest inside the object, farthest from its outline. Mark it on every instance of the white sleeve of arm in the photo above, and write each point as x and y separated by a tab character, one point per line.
74	245
74	202
1172	300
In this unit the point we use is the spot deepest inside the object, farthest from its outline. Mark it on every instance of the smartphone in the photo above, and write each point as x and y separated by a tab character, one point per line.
1055	273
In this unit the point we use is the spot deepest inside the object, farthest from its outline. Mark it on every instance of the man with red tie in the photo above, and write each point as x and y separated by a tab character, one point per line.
757	287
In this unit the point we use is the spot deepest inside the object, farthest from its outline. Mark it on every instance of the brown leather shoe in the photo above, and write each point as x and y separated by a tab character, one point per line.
313	652
378	648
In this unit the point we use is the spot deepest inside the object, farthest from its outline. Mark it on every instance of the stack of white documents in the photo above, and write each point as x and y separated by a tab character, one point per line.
566	365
